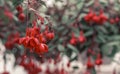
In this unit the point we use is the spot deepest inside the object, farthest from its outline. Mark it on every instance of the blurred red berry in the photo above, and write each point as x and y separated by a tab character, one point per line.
21	17
112	21
50	36
89	64
19	9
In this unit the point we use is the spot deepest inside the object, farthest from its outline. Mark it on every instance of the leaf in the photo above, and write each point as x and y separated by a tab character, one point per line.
2	2
75	67
74	49
73	56
93	71
80	5
113	52
89	3
17	2
110	48
101	39
61	47
43	3
88	33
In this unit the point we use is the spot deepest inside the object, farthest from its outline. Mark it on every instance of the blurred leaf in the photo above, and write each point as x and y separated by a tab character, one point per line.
2	2
89	3
42	2
110	48
113	52
61	47
73	57
93	71
80	5
89	33
74	49
101	39
75	67
17	2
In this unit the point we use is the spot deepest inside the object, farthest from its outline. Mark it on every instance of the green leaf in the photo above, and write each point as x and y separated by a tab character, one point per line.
2	2
80	5
17	2
110	48
88	33
74	49
89	3
75	67
61	47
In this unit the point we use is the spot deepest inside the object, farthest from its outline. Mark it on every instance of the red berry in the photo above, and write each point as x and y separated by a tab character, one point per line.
86	18
91	14
96	19
19	9
21	17
50	36
68	64
98	61
117	19
112	21
41	48
89	64
73	41
102	17
82	39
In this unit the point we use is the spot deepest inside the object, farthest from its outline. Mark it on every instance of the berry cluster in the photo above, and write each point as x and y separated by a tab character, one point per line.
74	40
92	17
114	20
12	40
35	41
98	60
30	66
21	15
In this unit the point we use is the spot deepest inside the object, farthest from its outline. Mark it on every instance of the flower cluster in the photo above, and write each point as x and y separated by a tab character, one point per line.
36	41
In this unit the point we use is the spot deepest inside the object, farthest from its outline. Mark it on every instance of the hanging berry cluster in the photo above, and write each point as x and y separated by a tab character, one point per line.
74	40
30	66
114	20
12	40
92	17
98	61
21	15
36	41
